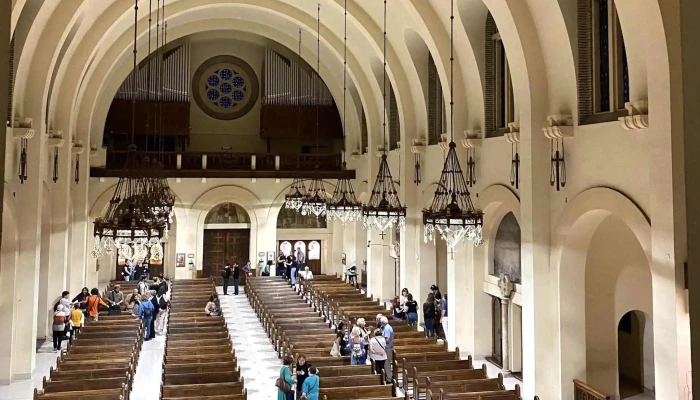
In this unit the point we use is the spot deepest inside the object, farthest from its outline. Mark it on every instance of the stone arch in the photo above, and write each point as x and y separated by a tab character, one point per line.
571	240
227	194
496	202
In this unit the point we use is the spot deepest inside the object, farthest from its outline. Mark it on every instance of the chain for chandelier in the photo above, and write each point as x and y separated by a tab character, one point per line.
344	206
294	200
384	209
452	214
316	200
129	219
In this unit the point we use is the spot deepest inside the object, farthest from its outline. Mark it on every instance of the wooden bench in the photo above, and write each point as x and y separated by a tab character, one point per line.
462	386
481	395
432	372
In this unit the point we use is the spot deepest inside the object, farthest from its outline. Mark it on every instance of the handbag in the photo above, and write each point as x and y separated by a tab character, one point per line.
282	384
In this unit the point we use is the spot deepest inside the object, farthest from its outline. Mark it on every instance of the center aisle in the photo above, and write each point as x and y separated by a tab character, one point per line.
257	359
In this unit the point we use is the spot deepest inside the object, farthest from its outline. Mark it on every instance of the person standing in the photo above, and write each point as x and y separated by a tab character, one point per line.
247	268
281	270
377	352
311	384
156	311
236	278
77	320
287	378
142	286
146	315
82	298
226	274
443	317
357	349
302	371
388	333
93	304
291	265
126	271
411	310
429	315
60	318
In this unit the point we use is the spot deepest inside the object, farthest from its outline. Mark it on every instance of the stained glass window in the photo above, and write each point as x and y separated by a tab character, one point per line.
220	88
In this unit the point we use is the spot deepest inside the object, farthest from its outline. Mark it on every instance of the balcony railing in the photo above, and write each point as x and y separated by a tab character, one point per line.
585	392
227	164
231	161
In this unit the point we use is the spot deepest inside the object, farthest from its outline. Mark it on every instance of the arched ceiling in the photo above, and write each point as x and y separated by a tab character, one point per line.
78	52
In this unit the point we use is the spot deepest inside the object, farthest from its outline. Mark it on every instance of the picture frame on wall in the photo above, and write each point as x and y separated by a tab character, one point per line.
344	259
270	256
180	260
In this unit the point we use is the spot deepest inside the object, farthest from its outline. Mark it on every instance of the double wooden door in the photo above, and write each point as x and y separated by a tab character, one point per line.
222	246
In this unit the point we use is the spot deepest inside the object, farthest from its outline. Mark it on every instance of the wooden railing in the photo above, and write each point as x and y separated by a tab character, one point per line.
585	392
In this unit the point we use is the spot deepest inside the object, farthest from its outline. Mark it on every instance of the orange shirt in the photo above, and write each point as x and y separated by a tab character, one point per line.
93	305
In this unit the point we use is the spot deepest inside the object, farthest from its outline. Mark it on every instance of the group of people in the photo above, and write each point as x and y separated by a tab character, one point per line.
234	272
363	342
434	311
305	383
133	271
290	266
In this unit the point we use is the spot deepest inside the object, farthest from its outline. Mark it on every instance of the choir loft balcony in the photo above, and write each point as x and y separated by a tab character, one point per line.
230	165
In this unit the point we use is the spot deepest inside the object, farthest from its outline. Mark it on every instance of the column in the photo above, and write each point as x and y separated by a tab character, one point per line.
266	236
5	37
505	338
349	247
427	274
361	250
477	304
27	275
60	244
458	298
690	36
338	249
375	264
81	225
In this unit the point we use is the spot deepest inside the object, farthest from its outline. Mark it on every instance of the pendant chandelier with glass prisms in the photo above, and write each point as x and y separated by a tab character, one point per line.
344	206
140	207
316	200
452	214
294	199
384	209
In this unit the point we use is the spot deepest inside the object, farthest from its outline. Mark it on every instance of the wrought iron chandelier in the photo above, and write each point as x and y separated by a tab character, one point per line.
294	199
344	206
134	216
384	208
316	200
452	214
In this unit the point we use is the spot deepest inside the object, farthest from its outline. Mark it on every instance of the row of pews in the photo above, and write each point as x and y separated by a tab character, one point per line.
199	360
297	327
423	368
99	365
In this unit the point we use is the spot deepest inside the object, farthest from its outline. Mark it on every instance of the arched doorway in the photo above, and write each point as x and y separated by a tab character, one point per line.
226	238
507	329
635	353
306	233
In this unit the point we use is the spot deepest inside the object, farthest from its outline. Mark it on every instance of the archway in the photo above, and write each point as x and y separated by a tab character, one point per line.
301	231
635	353
226	238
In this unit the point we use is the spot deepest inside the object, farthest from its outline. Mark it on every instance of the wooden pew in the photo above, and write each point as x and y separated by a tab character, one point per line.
463	386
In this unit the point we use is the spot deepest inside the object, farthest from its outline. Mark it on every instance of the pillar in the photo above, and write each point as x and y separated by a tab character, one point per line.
81	228
375	264
458	297
505	337
427	273
28	265
5	38
60	225
687	133
361	250
338	249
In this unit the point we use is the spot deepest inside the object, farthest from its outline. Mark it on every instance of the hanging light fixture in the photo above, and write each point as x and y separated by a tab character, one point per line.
130	219
344	205
294	200
384	208
452	214
316	200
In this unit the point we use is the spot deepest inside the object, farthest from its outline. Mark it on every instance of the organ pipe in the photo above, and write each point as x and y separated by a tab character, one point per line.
281	89
175	66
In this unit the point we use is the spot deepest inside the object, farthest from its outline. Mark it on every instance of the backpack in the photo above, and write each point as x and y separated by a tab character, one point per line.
148	312
162	304
356	350
143	286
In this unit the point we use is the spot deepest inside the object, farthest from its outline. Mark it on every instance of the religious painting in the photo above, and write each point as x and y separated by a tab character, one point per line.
180	260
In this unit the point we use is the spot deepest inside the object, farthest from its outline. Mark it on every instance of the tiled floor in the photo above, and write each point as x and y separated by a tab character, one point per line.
24	389
257	359
149	371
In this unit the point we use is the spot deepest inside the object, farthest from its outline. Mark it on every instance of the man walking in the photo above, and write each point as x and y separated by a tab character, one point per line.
236	276
226	274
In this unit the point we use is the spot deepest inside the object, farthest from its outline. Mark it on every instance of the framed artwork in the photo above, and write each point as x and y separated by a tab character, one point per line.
344	259
270	256
180	260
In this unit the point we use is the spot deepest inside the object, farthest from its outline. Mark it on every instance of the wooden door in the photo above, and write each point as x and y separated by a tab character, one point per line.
312	261
222	246
154	268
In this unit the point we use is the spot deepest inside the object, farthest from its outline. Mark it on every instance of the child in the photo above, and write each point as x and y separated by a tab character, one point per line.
77	320
210	309
59	326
